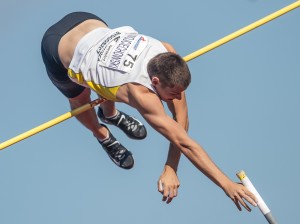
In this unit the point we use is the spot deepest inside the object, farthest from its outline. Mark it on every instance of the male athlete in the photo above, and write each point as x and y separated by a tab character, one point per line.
82	54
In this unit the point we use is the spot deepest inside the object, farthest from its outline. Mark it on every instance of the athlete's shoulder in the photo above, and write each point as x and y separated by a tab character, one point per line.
134	94
169	47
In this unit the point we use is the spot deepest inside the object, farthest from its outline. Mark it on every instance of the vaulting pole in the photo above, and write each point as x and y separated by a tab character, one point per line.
186	58
260	202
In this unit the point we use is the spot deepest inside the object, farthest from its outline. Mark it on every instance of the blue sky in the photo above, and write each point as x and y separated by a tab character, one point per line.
243	108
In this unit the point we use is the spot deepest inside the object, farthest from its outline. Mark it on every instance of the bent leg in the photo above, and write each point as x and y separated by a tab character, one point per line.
116	151
88	118
108	108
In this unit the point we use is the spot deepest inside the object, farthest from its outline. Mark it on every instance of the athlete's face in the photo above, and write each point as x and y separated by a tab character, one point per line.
167	93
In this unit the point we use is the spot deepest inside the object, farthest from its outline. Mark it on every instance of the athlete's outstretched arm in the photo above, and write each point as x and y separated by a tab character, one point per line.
160	121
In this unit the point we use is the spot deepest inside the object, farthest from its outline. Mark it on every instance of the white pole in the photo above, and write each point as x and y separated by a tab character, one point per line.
261	204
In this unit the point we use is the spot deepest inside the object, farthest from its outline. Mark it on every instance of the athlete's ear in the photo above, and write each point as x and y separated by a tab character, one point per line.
155	80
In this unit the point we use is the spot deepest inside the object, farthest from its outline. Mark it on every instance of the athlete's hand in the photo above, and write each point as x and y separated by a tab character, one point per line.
168	184
238	193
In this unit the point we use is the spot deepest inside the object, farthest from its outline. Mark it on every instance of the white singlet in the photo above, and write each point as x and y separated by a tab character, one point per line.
105	59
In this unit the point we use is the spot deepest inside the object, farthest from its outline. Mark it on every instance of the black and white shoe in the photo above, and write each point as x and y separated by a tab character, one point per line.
117	152
131	126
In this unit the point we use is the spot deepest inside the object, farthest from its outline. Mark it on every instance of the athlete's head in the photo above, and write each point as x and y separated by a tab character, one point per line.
169	74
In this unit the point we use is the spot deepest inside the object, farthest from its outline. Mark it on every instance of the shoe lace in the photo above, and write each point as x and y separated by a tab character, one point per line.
129	122
115	151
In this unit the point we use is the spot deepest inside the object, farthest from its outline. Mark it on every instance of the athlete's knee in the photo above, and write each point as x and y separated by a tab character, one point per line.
83	97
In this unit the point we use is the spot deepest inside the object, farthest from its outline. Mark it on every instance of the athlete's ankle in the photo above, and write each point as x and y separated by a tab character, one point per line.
113	116
102	134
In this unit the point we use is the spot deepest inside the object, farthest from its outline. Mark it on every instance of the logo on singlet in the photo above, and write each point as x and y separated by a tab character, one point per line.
138	42
106	44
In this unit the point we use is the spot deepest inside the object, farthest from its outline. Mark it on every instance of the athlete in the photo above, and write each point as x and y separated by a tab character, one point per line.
82	54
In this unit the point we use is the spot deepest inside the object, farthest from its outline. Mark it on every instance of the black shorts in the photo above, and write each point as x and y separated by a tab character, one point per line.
57	73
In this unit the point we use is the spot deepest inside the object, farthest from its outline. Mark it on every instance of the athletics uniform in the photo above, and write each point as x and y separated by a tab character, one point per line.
105	59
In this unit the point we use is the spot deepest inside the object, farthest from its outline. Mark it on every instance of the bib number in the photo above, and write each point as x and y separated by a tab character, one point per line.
130	61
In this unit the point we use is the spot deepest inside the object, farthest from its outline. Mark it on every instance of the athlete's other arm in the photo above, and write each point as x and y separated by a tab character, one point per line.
168	182
143	100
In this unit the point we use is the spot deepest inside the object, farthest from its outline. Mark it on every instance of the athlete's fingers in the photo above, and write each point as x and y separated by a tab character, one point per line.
165	194
160	186
163	190
250	197
237	204
164	198
241	201
172	196
175	192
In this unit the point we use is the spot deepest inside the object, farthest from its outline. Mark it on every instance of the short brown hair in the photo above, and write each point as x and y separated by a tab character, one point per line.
171	70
